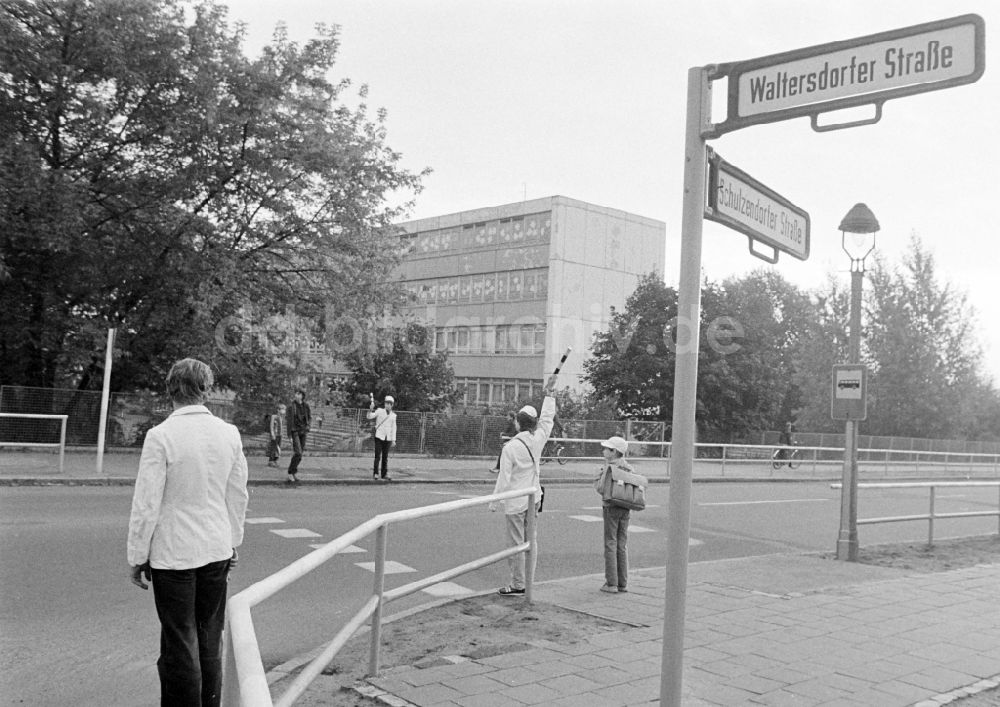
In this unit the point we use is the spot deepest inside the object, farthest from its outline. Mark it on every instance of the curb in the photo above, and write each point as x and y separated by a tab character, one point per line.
568	481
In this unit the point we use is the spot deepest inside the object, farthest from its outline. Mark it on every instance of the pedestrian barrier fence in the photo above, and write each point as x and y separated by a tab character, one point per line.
453	433
31	430
244	680
931	514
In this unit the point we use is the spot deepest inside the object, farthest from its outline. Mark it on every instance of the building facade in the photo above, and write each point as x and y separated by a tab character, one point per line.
508	288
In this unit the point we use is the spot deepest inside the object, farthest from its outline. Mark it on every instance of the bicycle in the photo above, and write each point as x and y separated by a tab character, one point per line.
785	455
558	453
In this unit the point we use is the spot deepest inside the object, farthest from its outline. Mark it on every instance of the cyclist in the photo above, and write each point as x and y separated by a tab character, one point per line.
787	440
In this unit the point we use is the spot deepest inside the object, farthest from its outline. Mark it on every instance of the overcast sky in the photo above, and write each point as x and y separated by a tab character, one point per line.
586	99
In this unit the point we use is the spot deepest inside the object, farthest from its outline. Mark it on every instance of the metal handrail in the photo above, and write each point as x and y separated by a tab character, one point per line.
809	454
61	444
930	516
244	680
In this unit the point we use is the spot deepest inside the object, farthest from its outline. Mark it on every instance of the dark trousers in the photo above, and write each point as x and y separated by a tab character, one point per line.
191	605
298	446
381	452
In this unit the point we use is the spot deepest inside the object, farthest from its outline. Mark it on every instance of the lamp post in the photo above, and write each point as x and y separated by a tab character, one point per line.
862	225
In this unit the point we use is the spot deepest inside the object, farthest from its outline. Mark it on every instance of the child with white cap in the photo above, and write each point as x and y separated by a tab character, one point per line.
519	470
384	433
615	518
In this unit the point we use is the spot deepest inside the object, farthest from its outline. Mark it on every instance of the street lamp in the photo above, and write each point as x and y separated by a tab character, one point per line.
857	238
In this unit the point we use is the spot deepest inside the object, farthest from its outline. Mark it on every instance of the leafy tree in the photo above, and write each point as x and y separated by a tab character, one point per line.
155	179
922	347
750	328
403	366
746	375
823	344
631	365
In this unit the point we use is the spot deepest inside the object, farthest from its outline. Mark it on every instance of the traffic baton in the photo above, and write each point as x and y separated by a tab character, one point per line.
562	360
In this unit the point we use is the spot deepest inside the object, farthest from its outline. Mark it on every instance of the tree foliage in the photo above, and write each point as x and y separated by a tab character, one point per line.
157	180
401	365
922	350
631	365
768	348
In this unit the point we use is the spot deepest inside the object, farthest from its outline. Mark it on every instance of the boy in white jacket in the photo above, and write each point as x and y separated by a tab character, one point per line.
519	470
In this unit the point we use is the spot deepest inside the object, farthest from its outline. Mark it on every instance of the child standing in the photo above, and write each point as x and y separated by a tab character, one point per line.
276	430
615	518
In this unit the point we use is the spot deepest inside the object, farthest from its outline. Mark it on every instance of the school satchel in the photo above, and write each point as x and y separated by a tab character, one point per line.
628	490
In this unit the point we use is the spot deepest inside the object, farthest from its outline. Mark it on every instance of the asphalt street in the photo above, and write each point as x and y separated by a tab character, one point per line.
75	631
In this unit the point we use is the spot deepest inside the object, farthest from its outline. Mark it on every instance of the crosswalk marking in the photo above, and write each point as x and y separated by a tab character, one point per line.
256	521
296	533
447	589
588	519
345	551
391	567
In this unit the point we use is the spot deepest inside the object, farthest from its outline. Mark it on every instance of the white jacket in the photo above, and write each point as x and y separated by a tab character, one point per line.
190	497
385	424
517	469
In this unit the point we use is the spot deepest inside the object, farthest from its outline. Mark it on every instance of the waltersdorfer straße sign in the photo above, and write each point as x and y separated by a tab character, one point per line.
854	72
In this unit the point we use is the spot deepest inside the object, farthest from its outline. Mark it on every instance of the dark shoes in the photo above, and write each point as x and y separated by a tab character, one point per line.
509	591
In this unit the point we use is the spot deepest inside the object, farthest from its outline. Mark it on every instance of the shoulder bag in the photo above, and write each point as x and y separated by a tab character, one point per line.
628	490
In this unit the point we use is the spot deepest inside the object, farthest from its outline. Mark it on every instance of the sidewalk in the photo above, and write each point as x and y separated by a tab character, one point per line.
120	468
773	630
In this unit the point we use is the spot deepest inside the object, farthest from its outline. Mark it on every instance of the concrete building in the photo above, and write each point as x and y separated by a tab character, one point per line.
509	288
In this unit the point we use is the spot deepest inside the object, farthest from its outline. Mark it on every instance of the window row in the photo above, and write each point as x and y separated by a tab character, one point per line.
518	339
518	229
499	391
488	287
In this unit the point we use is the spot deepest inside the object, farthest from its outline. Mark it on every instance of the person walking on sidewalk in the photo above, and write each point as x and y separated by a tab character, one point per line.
508	433
299	422
188	510
384	434
519	470
276	431
615	518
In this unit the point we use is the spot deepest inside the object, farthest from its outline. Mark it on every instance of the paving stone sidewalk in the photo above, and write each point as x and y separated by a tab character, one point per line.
775	630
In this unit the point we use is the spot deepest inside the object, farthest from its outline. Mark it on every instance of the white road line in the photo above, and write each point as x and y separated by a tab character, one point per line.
391	567
255	521
588	519
755	503
345	551
296	533
639	529
447	589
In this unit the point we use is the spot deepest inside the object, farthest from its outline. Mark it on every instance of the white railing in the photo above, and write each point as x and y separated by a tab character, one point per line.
931	515
61	444
812	458
244	680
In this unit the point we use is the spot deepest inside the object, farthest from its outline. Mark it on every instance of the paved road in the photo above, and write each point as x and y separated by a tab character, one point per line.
74	631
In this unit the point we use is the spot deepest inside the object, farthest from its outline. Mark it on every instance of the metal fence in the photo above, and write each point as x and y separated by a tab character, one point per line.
244	680
347	430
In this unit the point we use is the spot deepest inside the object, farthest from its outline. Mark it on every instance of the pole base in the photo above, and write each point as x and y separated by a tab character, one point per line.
847	550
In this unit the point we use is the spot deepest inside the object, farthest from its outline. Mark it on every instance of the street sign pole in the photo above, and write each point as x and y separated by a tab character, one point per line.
699	102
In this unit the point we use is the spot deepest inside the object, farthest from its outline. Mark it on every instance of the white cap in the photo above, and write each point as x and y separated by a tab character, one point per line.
529	410
389	399
616	443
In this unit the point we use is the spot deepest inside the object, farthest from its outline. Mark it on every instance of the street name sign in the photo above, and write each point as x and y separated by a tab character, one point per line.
737	200
854	72
850	392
